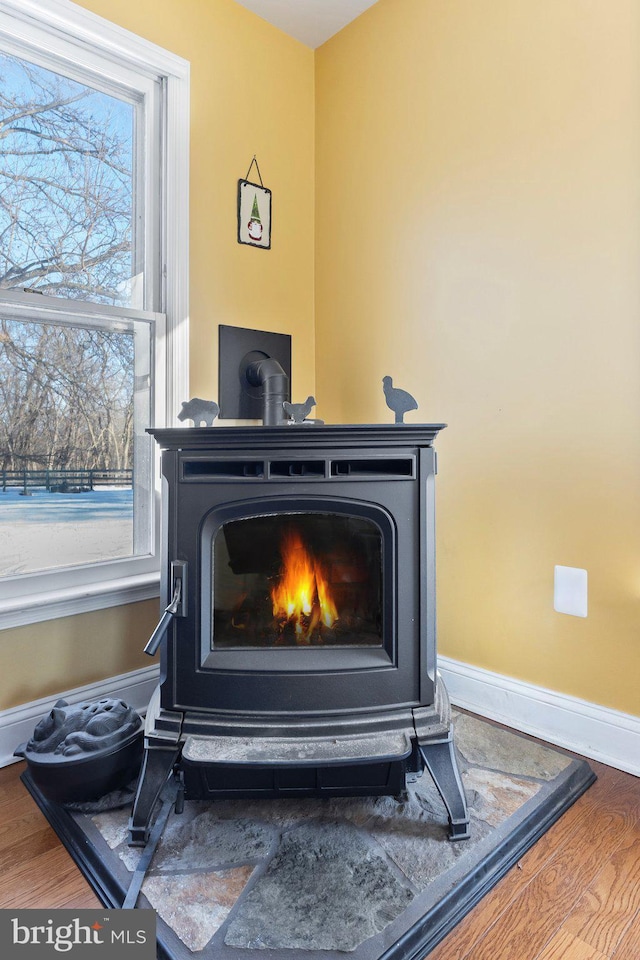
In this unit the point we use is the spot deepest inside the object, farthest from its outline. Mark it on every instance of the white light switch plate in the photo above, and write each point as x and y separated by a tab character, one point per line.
570	591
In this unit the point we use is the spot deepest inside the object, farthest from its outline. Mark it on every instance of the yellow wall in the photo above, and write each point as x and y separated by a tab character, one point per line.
478	238
252	91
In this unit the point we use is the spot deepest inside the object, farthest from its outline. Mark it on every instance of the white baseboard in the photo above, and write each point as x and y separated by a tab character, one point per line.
585	728
17	724
582	727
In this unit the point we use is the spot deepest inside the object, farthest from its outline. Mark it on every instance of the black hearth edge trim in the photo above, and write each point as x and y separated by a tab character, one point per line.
422	936
434	926
102	881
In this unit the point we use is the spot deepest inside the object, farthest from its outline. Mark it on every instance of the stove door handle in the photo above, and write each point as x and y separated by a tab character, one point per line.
156	637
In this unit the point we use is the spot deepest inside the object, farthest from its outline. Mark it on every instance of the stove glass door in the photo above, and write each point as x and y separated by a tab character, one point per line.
297	580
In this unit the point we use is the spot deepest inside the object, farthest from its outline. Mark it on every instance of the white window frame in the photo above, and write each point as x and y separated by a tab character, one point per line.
90	45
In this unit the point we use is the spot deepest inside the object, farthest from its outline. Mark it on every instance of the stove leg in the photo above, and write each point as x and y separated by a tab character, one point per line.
156	769
440	760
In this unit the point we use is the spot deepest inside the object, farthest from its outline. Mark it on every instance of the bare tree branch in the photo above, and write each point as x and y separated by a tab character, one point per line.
66	201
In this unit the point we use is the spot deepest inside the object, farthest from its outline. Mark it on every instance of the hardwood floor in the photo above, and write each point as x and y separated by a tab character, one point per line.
35	869
574	896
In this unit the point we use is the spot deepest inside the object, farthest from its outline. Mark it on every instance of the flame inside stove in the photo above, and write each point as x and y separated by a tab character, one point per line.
301	597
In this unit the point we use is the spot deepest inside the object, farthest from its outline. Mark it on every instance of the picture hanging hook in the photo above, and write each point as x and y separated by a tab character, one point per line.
257	168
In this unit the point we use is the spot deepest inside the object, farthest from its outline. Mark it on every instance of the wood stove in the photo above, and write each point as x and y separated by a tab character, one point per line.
298	644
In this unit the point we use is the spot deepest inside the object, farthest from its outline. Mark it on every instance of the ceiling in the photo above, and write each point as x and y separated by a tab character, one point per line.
310	21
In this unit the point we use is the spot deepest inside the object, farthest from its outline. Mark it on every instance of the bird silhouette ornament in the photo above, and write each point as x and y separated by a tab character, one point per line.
299	412
398	400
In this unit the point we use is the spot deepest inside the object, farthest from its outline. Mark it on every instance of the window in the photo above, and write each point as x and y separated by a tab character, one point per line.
93	312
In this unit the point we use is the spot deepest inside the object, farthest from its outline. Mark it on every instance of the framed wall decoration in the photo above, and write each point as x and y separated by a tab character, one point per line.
254	212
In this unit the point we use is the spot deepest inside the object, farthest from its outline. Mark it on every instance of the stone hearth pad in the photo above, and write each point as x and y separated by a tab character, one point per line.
332	879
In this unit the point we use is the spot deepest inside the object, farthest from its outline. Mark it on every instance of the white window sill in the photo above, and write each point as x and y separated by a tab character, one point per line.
80	599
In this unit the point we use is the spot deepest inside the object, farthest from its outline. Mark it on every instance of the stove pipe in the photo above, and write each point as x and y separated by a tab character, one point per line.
269	375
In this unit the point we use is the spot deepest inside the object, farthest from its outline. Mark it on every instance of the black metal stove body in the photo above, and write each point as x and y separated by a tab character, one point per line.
342	697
